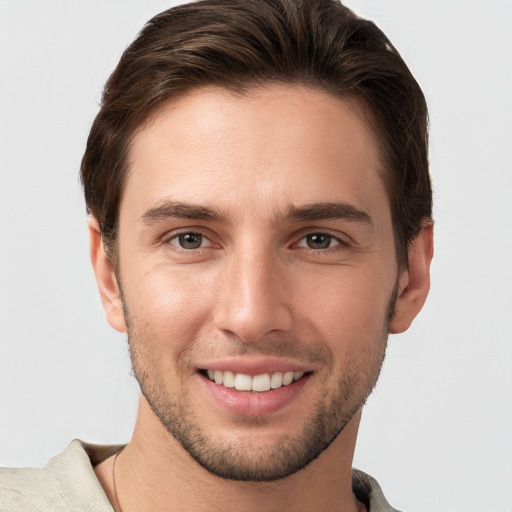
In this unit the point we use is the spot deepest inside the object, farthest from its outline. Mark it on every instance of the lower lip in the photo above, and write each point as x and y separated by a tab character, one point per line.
252	403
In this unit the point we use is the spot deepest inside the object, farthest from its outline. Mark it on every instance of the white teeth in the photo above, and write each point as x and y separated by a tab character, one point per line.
287	378
218	376
229	379
243	382
260	383
277	380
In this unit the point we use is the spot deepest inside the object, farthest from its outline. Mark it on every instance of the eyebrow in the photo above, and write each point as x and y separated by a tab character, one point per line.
309	212
174	209
325	211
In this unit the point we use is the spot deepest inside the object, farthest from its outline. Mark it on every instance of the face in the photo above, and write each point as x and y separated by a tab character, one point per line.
258	271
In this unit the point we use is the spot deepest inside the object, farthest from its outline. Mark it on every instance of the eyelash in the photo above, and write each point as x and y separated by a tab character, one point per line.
177	236
340	243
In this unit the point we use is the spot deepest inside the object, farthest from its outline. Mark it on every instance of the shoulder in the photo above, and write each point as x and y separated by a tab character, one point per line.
66	483
369	492
29	489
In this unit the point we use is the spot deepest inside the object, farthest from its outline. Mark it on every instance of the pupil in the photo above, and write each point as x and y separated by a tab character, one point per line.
319	241
190	240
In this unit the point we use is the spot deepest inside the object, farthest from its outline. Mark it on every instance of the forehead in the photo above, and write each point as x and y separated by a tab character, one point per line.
274	146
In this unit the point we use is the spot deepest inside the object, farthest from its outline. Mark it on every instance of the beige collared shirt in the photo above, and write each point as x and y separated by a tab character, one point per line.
68	483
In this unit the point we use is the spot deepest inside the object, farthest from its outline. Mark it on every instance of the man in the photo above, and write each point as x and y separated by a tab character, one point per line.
260	220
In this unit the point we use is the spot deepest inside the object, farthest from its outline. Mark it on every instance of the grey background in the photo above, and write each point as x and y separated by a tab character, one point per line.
437	432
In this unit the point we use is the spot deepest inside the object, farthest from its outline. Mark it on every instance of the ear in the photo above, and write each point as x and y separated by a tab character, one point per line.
414	282
106	278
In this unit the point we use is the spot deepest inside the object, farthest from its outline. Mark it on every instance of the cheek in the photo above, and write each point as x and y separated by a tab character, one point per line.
168	307
346	295
350	310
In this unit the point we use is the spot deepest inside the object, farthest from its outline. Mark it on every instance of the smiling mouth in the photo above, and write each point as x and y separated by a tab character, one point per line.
258	383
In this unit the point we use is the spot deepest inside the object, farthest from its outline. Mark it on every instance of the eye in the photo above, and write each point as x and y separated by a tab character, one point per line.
189	241
319	241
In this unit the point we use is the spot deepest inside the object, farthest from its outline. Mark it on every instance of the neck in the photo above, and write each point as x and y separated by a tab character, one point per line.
154	471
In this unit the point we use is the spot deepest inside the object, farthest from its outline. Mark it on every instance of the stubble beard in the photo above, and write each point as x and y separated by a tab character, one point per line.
240	459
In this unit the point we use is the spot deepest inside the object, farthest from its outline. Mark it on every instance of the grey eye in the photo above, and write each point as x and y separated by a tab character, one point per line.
190	240
319	241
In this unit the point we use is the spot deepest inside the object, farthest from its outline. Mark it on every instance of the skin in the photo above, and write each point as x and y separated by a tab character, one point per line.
247	169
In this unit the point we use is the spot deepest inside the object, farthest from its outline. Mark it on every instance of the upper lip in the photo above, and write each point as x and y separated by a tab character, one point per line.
255	365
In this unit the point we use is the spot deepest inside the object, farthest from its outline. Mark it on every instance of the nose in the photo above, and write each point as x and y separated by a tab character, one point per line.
254	297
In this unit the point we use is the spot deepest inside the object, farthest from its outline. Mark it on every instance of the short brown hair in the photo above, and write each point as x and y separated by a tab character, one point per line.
242	44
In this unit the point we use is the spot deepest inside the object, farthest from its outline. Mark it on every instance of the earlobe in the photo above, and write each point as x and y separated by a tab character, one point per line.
106	278
414	282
